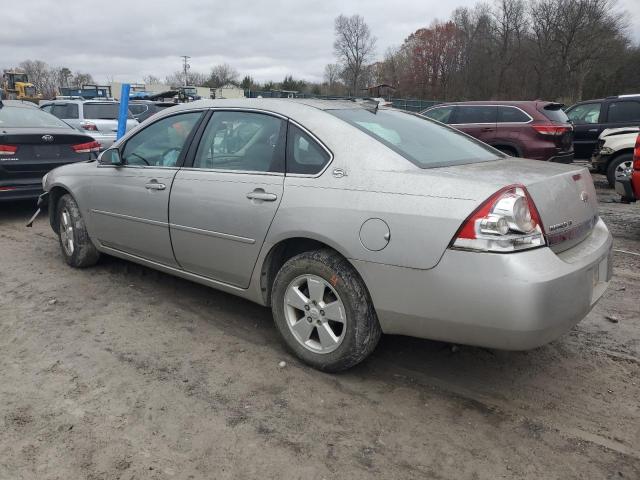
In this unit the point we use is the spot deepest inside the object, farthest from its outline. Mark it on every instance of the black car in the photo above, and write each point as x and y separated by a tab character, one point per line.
591	117
143	109
32	143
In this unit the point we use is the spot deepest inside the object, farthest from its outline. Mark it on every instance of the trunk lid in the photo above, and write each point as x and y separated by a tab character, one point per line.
563	194
38	153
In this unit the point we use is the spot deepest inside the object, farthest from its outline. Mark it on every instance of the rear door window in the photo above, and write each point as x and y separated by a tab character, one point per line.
512	115
102	111
585	113
440	114
65	110
304	155
466	114
624	112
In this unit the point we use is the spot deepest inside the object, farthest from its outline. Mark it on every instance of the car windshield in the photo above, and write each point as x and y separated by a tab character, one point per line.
102	111
25	117
418	139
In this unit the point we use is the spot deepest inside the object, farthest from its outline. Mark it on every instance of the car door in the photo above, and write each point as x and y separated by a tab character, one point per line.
479	121
130	203
222	204
588	122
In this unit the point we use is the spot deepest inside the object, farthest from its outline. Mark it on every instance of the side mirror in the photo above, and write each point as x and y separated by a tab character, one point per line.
110	157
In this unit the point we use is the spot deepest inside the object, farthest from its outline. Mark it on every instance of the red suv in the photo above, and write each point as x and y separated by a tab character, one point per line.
531	129
629	187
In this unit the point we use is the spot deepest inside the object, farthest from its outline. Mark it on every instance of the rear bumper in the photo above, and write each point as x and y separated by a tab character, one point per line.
562	158
624	188
513	301
20	192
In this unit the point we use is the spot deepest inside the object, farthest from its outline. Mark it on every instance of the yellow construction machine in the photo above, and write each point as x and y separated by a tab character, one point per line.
16	86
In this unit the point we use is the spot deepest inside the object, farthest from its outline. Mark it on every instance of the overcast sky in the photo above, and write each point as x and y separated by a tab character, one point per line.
127	40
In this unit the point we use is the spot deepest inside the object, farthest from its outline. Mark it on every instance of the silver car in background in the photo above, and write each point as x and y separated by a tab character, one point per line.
347	220
97	118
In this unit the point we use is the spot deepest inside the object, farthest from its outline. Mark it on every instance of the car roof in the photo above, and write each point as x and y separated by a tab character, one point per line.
507	103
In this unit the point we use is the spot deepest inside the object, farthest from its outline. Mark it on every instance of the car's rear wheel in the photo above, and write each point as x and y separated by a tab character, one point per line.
77	248
323	311
619	167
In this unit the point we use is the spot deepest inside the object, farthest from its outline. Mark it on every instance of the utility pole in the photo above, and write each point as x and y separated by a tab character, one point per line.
185	67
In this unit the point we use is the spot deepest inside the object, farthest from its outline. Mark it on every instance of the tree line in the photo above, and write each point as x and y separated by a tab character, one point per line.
564	50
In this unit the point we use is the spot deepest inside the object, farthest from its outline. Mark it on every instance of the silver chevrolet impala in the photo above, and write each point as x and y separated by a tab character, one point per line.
347	220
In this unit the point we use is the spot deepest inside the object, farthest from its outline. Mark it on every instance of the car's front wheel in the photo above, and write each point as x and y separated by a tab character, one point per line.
323	311
620	167
77	248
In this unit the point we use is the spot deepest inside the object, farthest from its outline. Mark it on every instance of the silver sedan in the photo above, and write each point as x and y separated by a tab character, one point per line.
349	221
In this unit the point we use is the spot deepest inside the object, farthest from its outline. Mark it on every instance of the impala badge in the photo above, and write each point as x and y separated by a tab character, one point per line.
584	196
47	138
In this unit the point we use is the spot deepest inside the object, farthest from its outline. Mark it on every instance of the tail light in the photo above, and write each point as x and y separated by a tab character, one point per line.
86	147
507	221
8	149
89	126
636	155
553	130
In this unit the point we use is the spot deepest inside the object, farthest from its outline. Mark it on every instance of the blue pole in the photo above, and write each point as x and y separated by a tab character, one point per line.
124	110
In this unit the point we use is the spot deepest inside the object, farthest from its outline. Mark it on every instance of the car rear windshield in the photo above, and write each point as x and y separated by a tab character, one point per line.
554	112
420	140
27	117
102	111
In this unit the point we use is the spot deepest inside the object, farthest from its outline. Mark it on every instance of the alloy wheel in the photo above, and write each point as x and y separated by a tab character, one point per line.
315	314
66	232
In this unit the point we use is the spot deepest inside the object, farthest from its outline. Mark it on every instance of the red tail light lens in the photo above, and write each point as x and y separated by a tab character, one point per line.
8	149
86	147
89	126
636	155
553	130
507	221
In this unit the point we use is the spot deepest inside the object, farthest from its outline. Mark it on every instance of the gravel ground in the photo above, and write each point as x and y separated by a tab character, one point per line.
121	372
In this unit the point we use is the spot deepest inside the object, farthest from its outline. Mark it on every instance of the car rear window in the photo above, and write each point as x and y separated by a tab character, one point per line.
554	112
420	140
102	111
19	117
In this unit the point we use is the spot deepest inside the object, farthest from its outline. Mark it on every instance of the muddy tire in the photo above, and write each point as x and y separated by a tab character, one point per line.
323	311
616	165
77	248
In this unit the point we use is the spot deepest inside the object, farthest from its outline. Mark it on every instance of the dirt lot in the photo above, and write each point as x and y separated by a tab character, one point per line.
120	372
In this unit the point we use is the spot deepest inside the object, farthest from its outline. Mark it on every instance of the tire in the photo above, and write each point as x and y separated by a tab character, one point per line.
613	166
77	248
359	332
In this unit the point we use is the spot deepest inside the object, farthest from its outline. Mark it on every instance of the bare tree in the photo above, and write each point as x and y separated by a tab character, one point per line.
222	75
354	47
80	79
332	72
150	80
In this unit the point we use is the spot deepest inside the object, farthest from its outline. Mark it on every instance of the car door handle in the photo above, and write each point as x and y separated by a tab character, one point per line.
259	194
593	129
155	186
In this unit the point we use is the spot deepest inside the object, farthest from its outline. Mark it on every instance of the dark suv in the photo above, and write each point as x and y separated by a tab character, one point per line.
591	117
532	129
